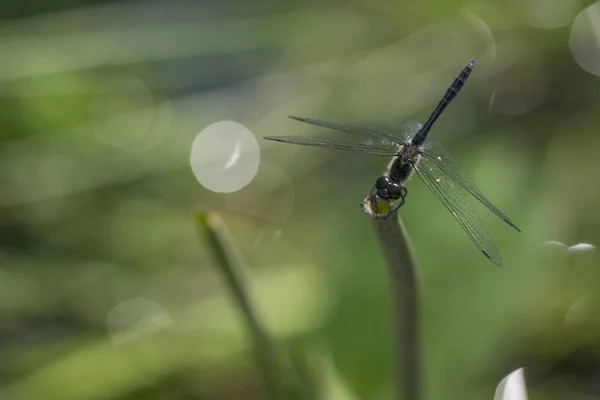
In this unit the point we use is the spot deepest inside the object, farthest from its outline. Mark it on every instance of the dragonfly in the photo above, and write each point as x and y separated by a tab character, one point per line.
406	144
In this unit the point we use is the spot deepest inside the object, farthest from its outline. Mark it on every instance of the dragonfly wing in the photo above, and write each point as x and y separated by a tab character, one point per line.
369	148
399	130
388	132
451	194
445	163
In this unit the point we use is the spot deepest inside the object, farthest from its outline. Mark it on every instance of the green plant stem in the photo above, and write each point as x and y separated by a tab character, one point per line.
402	268
229	261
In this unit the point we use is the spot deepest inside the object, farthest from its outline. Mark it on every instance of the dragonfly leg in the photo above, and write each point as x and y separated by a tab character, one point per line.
373	198
403	193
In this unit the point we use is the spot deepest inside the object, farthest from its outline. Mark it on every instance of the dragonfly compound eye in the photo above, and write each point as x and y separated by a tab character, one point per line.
394	191
382	183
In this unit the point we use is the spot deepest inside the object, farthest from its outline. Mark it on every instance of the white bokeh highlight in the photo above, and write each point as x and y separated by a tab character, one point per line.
136	317
512	387
584	40
581	248
554	244
225	157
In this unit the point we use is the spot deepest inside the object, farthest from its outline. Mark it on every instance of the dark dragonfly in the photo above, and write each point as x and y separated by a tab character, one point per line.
407	145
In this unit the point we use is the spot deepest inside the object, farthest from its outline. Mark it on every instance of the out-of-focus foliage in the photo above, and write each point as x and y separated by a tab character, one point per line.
106	291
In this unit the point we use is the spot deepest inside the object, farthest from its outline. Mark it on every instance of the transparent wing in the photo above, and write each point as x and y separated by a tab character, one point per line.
383	138
451	194
445	163
386	131
368	148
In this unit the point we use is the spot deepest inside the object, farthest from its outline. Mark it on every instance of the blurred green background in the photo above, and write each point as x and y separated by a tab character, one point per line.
108	292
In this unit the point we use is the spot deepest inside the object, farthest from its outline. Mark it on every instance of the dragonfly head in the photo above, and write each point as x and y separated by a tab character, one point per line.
388	189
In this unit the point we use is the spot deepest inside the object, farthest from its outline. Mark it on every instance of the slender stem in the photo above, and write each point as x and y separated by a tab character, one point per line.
402	268
229	261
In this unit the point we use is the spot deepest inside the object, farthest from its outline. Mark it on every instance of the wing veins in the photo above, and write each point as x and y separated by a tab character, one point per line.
469	187
488	249
333	144
363	131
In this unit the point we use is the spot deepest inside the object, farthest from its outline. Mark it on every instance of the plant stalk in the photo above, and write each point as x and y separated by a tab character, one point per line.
229	263
402	269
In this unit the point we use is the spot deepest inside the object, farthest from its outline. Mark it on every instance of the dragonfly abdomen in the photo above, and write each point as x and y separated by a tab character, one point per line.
449	95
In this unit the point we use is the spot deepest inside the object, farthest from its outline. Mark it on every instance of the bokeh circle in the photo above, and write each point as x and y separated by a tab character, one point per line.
225	157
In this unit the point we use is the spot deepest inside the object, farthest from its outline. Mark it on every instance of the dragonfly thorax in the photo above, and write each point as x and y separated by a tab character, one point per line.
402	165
